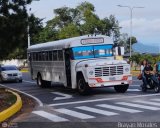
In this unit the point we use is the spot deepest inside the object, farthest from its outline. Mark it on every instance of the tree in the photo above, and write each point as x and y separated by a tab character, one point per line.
71	22
124	40
137	59
13	28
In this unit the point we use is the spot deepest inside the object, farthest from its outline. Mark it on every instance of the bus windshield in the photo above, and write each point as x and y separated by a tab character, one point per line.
95	51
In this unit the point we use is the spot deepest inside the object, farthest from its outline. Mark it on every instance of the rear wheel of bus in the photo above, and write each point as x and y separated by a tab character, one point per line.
82	85
40	82
121	88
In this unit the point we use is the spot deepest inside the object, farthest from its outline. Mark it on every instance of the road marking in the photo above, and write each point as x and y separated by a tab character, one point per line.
36	99
135	85
49	116
74	113
29	82
63	96
138	106
137	80
119	108
133	90
148	102
155	99
103	99
98	111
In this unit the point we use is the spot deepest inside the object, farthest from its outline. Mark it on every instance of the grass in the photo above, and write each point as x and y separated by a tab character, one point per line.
7	99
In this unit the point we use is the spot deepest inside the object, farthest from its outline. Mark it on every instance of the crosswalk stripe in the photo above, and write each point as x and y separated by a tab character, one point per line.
74	113
119	108
50	116
138	106
156	100
98	111
148	102
133	90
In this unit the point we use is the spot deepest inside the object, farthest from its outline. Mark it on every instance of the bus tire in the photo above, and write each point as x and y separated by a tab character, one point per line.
121	88
47	83
40	82
82	85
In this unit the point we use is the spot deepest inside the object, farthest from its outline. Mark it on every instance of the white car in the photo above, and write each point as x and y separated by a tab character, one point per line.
10	73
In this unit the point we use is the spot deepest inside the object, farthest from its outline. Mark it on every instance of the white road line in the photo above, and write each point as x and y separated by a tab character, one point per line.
148	102
104	99
74	113
49	116
35	98
29	82
135	85
63	96
98	111
133	90
119	108
138	106
156	100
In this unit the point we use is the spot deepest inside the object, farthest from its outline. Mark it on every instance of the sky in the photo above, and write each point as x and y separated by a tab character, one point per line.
146	21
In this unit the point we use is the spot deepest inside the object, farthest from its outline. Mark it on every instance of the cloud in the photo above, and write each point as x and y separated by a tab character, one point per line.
145	30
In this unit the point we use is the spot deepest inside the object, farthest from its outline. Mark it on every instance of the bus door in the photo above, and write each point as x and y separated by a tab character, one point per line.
67	55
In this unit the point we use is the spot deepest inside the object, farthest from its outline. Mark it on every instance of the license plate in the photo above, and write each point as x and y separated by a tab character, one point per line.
112	78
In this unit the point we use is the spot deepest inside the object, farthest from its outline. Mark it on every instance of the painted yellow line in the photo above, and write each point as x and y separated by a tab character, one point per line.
24	71
11	110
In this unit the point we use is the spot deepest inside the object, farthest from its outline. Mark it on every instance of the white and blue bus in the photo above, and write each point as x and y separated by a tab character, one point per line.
79	63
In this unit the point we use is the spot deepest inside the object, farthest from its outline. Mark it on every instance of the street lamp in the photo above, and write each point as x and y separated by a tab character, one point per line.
28	28
131	14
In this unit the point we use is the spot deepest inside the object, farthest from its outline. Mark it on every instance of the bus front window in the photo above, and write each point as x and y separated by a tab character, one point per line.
83	52
86	52
103	51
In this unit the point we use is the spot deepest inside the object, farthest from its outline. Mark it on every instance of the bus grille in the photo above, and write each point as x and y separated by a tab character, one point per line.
108	71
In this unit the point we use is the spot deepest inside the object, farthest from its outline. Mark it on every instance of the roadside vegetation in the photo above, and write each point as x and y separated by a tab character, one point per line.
136	60
7	99
68	22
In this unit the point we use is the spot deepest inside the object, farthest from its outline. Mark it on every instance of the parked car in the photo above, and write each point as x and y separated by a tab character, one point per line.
10	73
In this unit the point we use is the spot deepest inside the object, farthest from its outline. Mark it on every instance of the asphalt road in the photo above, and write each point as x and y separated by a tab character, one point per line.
65	107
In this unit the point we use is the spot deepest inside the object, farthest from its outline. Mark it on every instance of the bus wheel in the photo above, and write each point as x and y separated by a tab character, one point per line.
40	82
82	86
121	88
48	83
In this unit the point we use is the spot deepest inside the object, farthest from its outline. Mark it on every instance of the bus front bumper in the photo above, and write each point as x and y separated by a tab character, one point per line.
110	81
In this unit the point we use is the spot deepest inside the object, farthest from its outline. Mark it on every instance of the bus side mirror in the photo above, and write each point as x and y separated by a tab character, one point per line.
119	51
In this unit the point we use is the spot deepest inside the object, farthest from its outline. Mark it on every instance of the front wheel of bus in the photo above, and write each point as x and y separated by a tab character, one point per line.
40	82
82	86
121	88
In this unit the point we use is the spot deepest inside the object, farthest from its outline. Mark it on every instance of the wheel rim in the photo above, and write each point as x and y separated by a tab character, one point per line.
39	81
156	89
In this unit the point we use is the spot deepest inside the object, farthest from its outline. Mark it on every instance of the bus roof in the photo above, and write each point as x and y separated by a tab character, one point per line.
71	42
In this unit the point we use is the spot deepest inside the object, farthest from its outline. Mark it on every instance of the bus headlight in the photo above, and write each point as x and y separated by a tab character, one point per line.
91	72
126	69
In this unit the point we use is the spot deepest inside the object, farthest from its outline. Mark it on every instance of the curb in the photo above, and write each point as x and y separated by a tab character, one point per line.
36	99
11	110
24	71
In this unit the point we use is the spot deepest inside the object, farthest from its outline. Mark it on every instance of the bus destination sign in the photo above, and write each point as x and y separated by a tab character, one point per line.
92	41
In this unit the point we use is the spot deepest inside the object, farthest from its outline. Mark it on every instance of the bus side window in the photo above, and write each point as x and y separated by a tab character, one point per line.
50	55
40	56
36	56
55	55
60	55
